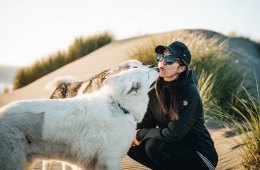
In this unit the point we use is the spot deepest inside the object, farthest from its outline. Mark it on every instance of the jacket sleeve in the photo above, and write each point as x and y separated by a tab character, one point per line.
177	130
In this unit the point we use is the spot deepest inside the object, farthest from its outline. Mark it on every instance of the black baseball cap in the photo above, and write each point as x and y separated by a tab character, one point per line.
177	49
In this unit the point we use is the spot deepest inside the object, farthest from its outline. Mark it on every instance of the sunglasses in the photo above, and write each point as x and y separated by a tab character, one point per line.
169	59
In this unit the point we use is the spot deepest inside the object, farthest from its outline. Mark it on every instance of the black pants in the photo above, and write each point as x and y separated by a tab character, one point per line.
162	156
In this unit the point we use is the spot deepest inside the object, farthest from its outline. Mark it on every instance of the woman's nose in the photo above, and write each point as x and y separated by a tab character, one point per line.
163	62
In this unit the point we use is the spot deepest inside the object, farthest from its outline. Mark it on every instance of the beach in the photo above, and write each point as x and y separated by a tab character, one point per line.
107	57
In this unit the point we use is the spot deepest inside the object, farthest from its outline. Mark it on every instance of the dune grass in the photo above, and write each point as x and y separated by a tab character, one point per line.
220	85
79	48
247	126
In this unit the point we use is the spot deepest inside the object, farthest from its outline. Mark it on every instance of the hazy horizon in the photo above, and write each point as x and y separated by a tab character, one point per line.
7	74
31	30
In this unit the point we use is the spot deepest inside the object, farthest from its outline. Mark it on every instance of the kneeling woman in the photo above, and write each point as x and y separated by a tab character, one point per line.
173	135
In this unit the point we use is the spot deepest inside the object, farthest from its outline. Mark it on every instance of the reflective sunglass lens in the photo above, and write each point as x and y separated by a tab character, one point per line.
168	59
159	57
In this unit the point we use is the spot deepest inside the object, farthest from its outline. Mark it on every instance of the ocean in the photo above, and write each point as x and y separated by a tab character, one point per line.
7	74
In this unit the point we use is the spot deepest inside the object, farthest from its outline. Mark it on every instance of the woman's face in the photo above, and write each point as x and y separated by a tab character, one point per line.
169	72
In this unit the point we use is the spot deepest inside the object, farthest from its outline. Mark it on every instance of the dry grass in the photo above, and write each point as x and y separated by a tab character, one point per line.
79	48
247	124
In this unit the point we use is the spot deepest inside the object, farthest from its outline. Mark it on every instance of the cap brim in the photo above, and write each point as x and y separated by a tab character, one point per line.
160	48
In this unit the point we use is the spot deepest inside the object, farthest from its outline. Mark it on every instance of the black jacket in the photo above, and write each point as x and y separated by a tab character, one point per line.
189	129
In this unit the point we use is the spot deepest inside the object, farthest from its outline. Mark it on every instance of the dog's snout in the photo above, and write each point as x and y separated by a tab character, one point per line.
157	69
151	66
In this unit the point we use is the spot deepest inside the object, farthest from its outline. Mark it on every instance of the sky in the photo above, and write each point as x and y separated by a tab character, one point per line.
33	29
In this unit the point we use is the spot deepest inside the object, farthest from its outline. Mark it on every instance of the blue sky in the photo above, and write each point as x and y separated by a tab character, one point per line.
33	29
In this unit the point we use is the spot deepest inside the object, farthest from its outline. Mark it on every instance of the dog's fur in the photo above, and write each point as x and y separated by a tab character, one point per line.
92	130
66	87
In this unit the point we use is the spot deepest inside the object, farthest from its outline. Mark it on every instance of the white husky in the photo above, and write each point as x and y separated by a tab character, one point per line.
92	131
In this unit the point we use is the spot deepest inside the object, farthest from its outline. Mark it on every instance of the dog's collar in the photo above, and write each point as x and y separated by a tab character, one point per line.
119	105
122	108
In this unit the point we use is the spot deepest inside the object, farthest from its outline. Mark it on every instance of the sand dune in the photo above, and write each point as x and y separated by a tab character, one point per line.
116	52
246	56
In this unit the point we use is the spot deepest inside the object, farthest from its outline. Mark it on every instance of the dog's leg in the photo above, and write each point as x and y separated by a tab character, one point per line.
46	164
11	156
10	164
65	166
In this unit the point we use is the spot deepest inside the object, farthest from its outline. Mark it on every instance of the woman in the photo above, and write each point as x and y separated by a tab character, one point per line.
172	134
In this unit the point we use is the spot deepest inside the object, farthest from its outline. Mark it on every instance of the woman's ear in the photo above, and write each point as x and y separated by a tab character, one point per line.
181	69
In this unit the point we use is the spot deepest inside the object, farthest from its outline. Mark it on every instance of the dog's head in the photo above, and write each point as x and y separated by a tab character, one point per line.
130	89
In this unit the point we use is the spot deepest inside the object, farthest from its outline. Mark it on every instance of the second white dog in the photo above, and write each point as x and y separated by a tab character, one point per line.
91	131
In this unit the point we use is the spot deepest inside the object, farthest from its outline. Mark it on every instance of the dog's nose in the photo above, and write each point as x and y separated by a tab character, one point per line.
157	69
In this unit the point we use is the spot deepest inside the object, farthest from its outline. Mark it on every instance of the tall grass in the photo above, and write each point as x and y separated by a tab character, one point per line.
217	77
79	48
247	124
218	80
145	53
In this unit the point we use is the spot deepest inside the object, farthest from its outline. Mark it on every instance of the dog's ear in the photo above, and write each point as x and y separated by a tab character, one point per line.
110	80
132	89
113	71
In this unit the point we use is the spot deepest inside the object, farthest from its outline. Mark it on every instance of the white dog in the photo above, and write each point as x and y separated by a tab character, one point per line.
68	86
92	131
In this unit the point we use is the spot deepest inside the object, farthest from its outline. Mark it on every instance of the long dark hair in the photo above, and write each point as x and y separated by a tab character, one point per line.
175	98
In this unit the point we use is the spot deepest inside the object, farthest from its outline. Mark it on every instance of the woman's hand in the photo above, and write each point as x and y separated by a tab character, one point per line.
135	141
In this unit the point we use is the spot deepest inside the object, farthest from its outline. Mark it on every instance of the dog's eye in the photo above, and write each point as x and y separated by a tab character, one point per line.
135	67
134	88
